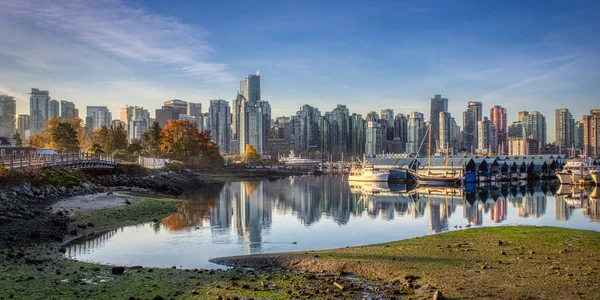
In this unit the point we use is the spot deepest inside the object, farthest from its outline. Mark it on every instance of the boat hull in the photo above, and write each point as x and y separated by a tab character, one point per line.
371	178
595	178
569	178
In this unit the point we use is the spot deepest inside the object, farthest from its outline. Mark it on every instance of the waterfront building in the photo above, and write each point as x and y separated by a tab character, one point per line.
375	139
578	135
96	117
591	133
358	134
416	132
8	113
219	115
438	105
487	137
535	127
39	106
252	117
498	118
564	130
400	133
23	126
68	110
469	135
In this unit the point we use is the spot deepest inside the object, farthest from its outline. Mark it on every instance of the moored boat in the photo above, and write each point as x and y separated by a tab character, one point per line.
595	174
575	172
368	173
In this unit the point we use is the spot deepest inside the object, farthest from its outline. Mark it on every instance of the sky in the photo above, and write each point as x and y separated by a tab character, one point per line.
369	55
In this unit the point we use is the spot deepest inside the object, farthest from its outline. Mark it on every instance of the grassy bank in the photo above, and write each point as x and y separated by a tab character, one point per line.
244	175
502	263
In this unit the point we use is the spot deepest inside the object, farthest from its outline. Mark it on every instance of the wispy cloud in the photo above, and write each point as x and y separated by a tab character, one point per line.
129	33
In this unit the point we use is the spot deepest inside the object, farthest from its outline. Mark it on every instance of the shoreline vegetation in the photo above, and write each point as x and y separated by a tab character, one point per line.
500	262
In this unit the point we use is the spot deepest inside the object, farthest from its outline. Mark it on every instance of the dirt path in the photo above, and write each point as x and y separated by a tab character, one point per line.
94	202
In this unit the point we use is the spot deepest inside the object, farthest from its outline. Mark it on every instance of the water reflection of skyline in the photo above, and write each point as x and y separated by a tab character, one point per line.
248	207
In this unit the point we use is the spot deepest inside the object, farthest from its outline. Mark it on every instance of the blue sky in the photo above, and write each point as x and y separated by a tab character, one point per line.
523	55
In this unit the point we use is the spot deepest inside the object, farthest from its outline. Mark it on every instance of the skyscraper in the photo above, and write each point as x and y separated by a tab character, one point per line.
39	106
180	105
522	115
250	88
194	109
401	132
139	123
23	126
388	115
8	113
469	134
324	135
535	127
591	133
564	130
487	137
578	135
220	124
477	108
447	132
416	133
358	129
498	118
68	110
96	117
54	111
340	123
375	139
438	105
309	128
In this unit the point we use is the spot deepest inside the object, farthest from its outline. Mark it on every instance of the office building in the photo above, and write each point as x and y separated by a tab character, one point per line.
564	125
358	134
23	126
400	132
8	113
96	117
498	119
340	123
68	110
375	137
535	127
416	133
39	106
521	116
516	130
477	108
306	128
166	113
194	109
139	123
487	137
324	135
591	133
176	104
469	134
250	88
448	133
54	111
578	135
219	115
388	115
438	105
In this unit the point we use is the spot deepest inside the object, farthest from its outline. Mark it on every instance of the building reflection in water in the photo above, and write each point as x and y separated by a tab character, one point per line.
243	211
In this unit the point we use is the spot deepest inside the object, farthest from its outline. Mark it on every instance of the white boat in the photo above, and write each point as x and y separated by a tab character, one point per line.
293	160
595	174
575	171
368	173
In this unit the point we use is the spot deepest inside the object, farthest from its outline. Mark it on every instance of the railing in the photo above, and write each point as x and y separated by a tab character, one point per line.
77	160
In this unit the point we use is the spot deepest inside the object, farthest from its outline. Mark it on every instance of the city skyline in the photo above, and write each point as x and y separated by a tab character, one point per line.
138	53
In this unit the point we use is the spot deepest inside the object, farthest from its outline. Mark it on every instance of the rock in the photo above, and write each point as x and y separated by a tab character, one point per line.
118	270
438	296
500	243
158	298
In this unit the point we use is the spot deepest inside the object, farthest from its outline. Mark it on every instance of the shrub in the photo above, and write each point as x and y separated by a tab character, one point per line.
60	178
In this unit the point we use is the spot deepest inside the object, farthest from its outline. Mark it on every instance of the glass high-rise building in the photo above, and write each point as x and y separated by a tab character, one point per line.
487	136
498	118
39	106
8	113
388	115
54	111
97	116
358	125
23	126
564	130
535	127
68	110
250	88
416	132
469	134
375	139
219	115
438	105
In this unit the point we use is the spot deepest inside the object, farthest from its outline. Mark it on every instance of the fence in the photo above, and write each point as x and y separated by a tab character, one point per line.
153	162
77	160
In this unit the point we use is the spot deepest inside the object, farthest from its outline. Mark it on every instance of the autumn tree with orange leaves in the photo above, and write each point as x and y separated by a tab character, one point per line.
181	140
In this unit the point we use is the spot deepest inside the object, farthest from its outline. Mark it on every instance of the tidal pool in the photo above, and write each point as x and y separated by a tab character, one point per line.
309	213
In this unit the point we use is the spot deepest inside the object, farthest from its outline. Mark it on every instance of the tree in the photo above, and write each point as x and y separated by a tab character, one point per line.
101	136
96	149
151	140
17	138
65	138
251	156
118	137
181	139
135	147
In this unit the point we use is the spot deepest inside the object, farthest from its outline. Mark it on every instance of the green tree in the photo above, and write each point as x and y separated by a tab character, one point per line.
251	156
17	138
151	140
101	137
118	137
96	149
65	137
135	147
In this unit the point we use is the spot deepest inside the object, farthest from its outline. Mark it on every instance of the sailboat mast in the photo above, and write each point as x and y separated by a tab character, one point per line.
429	152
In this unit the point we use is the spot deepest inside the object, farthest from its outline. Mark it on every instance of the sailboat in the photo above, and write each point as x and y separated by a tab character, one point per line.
431	178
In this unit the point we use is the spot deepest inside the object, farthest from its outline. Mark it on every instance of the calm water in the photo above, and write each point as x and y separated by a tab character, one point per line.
306	213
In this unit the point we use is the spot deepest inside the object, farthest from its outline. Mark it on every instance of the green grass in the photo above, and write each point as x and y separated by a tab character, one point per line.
240	175
541	262
132	214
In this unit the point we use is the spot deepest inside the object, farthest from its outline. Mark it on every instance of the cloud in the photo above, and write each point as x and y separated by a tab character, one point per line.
131	34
